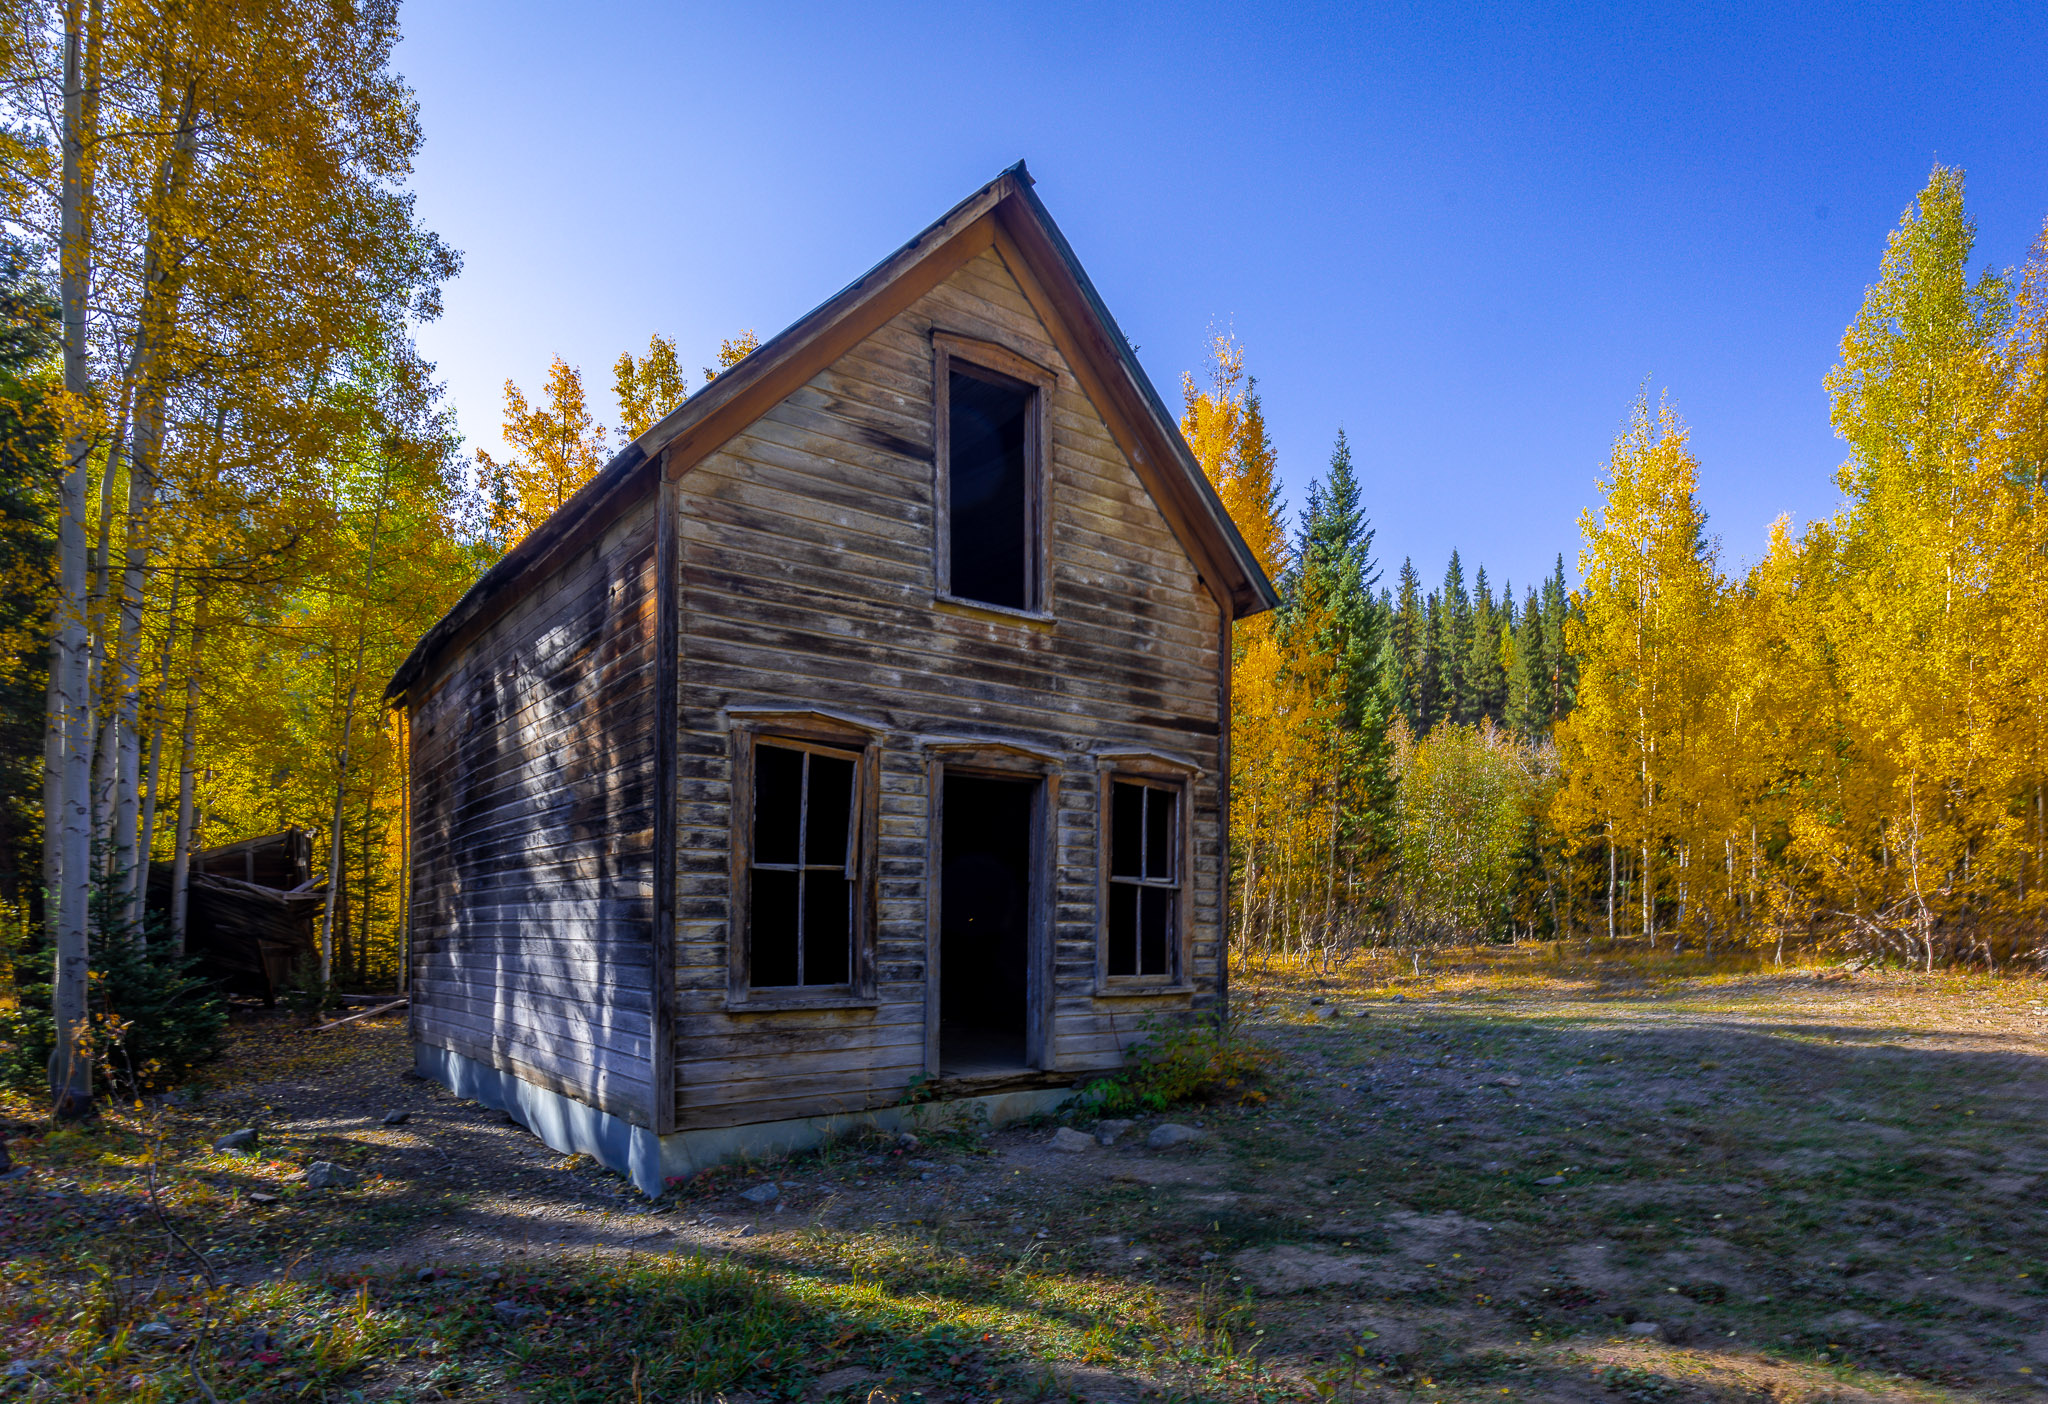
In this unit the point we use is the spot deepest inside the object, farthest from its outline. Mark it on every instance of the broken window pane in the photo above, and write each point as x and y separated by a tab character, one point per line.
831	812
828	927
778	810
1127	831
774	926
1155	925
1159	833
1123	930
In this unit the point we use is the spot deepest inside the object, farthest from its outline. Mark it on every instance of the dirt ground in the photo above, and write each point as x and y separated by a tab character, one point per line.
1508	1176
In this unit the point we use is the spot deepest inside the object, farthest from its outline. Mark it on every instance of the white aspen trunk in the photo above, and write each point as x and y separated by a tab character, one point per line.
181	848
100	564
158	310
1610	882
54	753
348	718
107	738
127	712
70	1064
1649	930
146	844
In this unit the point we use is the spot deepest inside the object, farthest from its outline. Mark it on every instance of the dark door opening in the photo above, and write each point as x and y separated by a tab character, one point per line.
984	924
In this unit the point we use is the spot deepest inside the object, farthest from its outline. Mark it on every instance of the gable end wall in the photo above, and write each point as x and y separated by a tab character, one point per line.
807	581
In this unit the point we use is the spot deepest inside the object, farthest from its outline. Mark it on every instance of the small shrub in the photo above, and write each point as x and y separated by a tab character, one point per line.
305	994
153	1019
1177	1064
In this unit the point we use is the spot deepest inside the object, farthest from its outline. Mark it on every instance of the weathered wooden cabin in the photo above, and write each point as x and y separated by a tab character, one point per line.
861	728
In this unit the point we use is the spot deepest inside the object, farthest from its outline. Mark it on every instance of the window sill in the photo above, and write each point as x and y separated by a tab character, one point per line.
993	613
1135	989
771	1002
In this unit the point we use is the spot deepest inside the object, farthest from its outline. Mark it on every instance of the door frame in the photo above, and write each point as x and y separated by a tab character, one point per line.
995	760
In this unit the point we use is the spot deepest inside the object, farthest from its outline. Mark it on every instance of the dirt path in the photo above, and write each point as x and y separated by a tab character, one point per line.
1522	1181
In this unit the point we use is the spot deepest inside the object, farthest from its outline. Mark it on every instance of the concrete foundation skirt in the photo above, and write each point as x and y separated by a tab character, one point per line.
650	1161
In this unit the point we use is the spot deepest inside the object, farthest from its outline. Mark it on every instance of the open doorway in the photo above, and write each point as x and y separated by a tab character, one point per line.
985	912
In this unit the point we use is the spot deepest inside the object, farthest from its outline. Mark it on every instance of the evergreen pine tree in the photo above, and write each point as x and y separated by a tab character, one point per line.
1409	640
1558	607
1528	710
1486	679
1430	668
1455	640
1333	620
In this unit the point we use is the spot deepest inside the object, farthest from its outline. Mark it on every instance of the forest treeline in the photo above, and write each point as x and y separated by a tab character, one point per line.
232	498
1845	742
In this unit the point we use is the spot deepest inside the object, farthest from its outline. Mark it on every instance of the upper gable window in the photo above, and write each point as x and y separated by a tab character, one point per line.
991	491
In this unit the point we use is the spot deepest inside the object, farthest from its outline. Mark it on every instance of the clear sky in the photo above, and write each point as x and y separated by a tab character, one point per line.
1465	233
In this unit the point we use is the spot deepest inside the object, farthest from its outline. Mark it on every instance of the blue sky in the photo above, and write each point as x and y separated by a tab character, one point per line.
1466	234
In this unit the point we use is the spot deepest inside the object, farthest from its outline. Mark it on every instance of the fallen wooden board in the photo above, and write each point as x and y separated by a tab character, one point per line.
364	1014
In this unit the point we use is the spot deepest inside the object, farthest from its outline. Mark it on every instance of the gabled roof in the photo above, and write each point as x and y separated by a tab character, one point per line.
1005	214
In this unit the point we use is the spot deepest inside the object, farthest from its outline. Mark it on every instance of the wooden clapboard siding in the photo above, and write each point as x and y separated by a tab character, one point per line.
533	897
807	579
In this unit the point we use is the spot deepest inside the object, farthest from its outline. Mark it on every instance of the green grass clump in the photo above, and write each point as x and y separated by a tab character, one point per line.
1184	1064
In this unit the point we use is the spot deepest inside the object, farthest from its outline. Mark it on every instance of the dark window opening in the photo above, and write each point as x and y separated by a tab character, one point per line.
988	490
1144	879
984	923
801	883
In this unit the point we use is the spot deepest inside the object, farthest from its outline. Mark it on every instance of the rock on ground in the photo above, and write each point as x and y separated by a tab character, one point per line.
325	1174
1168	1134
1113	1130
244	1139
1071	1141
766	1193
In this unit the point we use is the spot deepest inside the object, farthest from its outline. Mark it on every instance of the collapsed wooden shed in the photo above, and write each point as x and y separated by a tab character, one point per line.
252	910
861	726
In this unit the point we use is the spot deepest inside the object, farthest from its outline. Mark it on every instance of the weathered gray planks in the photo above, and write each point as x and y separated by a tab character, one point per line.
807	580
582	734
533	894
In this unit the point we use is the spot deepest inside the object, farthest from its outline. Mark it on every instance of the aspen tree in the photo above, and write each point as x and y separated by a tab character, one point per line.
220	191
559	446
649	388
732	351
1917	395
1651	598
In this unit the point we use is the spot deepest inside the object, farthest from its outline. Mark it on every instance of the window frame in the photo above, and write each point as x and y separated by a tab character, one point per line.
989	361
1153	770
817	733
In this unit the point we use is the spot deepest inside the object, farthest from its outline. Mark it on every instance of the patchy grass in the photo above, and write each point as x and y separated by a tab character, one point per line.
1474	1176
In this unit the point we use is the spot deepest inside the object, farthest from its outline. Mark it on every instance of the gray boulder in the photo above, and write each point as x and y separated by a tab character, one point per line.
242	1140
1169	1134
1110	1132
765	1193
1071	1141
325	1174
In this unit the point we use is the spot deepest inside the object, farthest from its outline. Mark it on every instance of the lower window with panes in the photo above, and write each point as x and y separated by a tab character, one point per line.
1142	934
803	866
